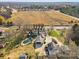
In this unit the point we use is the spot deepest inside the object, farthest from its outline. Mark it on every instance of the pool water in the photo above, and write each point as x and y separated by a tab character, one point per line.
27	41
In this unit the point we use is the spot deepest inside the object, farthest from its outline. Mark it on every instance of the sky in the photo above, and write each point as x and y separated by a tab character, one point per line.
39	0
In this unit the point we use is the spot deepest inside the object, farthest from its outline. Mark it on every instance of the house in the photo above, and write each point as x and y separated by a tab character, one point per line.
38	42
51	48
23	56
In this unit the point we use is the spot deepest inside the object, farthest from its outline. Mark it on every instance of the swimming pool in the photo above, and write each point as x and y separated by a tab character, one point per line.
26	41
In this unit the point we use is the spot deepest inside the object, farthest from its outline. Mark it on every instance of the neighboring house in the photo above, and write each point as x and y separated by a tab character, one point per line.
23	56
51	48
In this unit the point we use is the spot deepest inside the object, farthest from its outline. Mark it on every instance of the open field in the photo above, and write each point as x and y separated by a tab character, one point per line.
50	17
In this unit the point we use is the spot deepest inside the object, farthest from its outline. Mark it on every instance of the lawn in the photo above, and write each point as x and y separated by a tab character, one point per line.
57	34
54	33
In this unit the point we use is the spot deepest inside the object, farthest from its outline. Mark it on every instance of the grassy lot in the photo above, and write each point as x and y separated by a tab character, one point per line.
16	52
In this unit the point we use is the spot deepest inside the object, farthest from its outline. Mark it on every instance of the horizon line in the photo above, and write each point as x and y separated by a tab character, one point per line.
38	1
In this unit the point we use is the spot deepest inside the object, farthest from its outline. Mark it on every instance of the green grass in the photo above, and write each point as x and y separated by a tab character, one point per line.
54	33
57	34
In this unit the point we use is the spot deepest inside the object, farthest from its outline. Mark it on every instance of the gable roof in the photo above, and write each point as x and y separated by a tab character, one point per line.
39	39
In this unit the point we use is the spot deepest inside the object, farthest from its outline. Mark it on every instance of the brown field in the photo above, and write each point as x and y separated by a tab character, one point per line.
15	53
42	17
